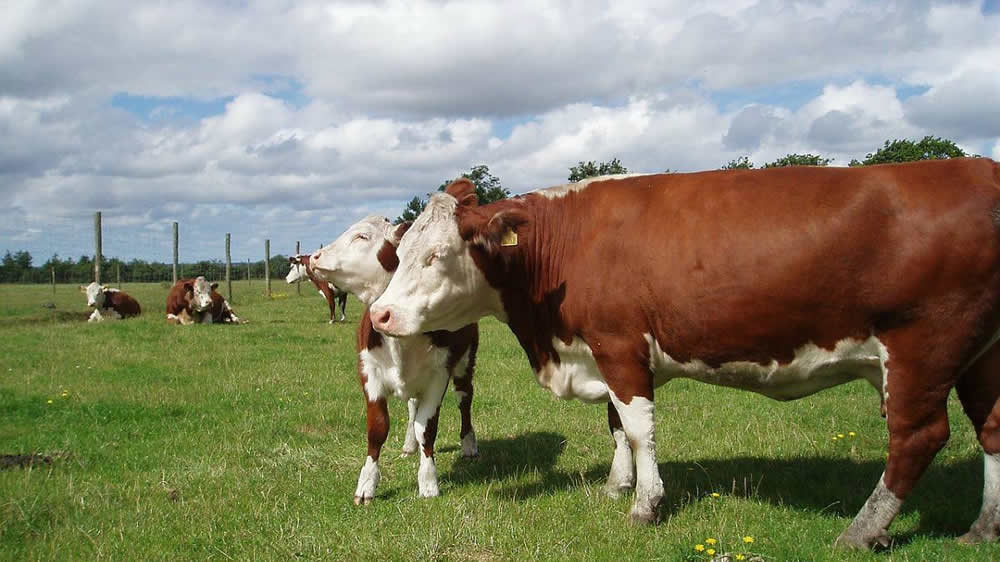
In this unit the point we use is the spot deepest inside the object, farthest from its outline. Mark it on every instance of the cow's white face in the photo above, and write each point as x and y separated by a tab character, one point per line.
437	285
202	295
352	262
95	295
297	272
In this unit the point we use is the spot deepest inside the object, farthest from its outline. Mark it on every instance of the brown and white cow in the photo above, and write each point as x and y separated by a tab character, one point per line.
781	281
196	301
415	368
299	270
109	303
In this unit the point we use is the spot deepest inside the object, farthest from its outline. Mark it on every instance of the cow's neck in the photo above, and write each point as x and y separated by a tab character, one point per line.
532	284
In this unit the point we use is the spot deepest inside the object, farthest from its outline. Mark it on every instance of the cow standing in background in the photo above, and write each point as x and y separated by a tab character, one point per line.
299	269
416	368
195	301
782	281
109	303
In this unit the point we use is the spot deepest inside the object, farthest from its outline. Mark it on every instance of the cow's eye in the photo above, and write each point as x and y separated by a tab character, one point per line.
360	236
431	259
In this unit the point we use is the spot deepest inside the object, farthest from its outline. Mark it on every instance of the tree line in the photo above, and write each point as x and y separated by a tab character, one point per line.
18	268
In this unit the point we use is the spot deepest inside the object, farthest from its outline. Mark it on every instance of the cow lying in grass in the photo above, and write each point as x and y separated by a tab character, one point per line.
300	270
195	301
415	368
109	303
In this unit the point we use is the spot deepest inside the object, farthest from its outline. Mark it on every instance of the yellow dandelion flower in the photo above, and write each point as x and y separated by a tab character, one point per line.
716	495
699	547
710	541
840	436
710	552
834	437
740	557
49	401
748	539
851	433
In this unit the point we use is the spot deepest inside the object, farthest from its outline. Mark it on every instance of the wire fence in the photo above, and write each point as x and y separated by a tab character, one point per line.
162	261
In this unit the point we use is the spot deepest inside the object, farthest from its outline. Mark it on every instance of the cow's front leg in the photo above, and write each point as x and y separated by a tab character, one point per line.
378	430
621	478
410	443
630	385
95	316
425	425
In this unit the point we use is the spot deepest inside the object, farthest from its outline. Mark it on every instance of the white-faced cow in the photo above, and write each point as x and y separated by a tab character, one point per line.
783	281
300	270
415	368
109	303
195	301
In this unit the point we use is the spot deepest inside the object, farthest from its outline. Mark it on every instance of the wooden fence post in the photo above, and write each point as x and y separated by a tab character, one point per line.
298	284
175	253
52	270
118	274
97	247
267	268
229	268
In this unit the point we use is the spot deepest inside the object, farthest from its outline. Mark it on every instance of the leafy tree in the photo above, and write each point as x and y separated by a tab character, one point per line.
591	169
741	163
927	148
488	190
799	160
413	208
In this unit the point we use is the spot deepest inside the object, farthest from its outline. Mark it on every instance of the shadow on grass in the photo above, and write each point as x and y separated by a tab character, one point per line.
947	498
504	460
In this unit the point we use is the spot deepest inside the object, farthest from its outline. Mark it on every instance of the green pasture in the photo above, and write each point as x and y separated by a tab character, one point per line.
160	442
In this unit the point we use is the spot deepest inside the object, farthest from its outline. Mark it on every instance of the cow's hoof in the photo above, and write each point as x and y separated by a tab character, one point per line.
332	322
470	448
852	541
975	536
643	516
429	491
358	500
408	449
616	490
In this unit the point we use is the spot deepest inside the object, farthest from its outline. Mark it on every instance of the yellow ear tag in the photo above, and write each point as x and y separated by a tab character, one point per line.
509	238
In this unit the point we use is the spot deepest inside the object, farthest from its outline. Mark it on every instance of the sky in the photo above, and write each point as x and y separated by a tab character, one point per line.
289	121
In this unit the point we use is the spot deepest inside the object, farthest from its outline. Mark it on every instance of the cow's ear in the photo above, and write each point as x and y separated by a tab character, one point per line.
399	231
292	260
491	230
215	286
189	287
464	191
83	289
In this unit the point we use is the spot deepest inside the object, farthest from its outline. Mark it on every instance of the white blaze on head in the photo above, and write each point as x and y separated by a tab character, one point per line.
296	272
95	295
351	262
202	290
437	285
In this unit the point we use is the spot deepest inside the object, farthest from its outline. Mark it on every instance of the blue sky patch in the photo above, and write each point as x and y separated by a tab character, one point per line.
169	108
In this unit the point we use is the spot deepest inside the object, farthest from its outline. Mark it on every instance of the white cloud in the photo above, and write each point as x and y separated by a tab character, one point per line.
341	109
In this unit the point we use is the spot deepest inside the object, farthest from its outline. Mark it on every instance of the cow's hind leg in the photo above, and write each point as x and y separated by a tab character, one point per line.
342	299
621	478
378	430
410	443
918	428
979	390
464	392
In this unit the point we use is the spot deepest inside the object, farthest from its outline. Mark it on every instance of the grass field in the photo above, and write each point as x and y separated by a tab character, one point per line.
245	442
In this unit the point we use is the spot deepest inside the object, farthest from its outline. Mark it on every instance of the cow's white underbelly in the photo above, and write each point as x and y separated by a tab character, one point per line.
402	366
812	369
